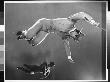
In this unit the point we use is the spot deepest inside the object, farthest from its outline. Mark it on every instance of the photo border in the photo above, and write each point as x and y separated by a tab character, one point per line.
28	2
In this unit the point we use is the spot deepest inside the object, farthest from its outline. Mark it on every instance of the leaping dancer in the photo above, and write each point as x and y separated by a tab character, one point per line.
63	27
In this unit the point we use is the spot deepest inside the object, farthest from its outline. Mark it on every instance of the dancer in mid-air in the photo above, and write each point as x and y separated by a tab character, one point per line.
63	27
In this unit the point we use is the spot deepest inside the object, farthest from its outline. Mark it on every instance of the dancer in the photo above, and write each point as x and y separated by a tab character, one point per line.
63	27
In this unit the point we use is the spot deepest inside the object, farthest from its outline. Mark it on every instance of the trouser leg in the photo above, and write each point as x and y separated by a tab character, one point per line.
68	51
38	38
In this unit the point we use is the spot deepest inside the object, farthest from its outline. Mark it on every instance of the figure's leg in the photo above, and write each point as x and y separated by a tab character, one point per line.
24	69
68	52
30	69
38	38
31	32
34	29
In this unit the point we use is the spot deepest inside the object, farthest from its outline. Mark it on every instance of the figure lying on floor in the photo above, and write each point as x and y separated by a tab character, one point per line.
44	68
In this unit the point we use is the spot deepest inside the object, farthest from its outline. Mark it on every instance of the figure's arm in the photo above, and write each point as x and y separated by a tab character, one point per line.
68	52
83	16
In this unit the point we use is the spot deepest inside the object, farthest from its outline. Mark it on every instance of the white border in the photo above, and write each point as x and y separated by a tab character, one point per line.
52	81
2	28
106	39
2	46
28	2
49	1
4	41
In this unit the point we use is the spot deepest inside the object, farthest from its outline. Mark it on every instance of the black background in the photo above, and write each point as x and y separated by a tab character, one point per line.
1	76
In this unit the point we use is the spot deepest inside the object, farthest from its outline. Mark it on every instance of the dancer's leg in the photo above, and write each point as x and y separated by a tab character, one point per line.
68	52
38	38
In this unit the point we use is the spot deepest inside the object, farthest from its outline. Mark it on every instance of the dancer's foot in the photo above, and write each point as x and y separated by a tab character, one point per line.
70	59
